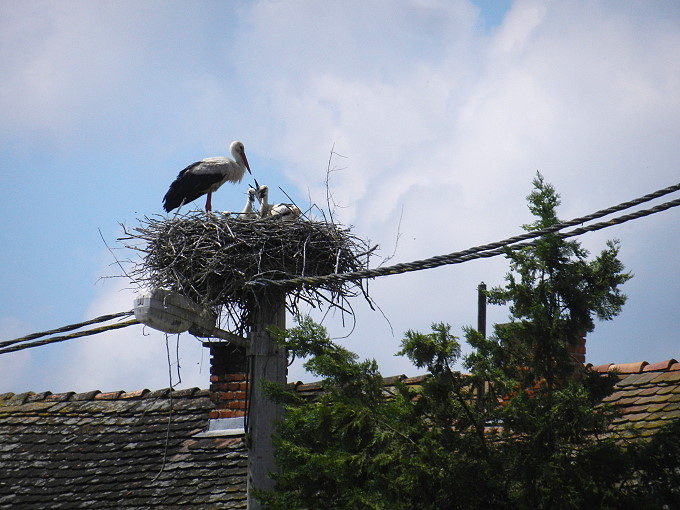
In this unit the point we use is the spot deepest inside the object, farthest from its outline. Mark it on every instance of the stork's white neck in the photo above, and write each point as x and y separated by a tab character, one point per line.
237	152
249	202
263	198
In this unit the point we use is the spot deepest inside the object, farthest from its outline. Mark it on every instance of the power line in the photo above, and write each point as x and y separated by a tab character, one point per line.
63	329
483	251
492	249
46	341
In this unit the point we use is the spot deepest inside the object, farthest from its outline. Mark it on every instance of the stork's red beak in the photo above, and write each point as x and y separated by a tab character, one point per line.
245	160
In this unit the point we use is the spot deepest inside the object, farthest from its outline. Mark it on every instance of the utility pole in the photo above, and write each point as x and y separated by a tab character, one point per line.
481	327
269	362
481	309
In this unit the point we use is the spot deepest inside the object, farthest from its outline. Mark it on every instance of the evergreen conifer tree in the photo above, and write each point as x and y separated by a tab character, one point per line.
523	429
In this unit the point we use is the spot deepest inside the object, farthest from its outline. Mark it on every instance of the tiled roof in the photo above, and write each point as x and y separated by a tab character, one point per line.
314	389
647	396
109	450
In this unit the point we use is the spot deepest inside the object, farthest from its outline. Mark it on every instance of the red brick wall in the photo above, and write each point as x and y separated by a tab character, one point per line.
578	350
228	380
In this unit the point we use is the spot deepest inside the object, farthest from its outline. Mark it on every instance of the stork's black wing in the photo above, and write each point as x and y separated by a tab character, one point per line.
188	186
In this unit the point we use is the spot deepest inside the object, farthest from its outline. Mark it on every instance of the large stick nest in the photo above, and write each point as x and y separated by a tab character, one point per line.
229	263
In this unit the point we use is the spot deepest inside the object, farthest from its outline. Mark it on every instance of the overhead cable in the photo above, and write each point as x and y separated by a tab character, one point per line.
46	341
484	251
492	249
63	329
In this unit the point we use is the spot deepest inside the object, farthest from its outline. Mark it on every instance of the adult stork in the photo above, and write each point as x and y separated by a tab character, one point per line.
285	212
206	176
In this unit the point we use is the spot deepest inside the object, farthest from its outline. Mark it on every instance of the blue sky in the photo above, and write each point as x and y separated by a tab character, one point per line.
443	111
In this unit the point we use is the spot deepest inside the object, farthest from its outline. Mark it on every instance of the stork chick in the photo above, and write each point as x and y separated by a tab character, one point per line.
286	212
248	212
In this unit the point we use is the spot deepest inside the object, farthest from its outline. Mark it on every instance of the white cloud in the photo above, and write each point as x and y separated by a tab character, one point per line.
518	27
435	117
129	359
584	94
136	356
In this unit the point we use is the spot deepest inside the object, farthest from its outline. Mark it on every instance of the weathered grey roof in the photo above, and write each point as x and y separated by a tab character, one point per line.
109	450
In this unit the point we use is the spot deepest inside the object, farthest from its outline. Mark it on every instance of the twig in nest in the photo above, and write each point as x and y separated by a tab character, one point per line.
214	259
329	195
396	241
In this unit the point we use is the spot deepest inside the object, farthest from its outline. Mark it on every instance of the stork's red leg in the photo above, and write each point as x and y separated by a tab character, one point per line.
208	202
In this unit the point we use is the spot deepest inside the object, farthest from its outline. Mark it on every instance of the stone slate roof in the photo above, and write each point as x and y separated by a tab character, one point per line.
647	396
109	450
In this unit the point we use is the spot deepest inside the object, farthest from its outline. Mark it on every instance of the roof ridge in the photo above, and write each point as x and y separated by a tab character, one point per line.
637	367
69	396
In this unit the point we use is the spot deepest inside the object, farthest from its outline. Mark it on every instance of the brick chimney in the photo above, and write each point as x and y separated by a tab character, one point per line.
228	380
577	350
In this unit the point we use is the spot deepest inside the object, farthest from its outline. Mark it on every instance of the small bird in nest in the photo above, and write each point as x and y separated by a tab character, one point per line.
285	212
206	176
249	212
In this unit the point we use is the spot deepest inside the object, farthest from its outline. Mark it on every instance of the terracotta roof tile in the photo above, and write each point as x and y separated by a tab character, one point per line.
672	414
647	399
603	369
661	365
667	389
109	396
630	368
135	394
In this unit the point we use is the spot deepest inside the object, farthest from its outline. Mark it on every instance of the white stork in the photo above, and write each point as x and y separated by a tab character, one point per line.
206	176
282	211
248	212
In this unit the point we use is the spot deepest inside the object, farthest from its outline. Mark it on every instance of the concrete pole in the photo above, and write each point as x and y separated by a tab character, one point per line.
268	363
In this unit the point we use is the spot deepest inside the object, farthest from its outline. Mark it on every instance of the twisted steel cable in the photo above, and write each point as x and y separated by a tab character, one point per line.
63	329
496	248
483	251
93	331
